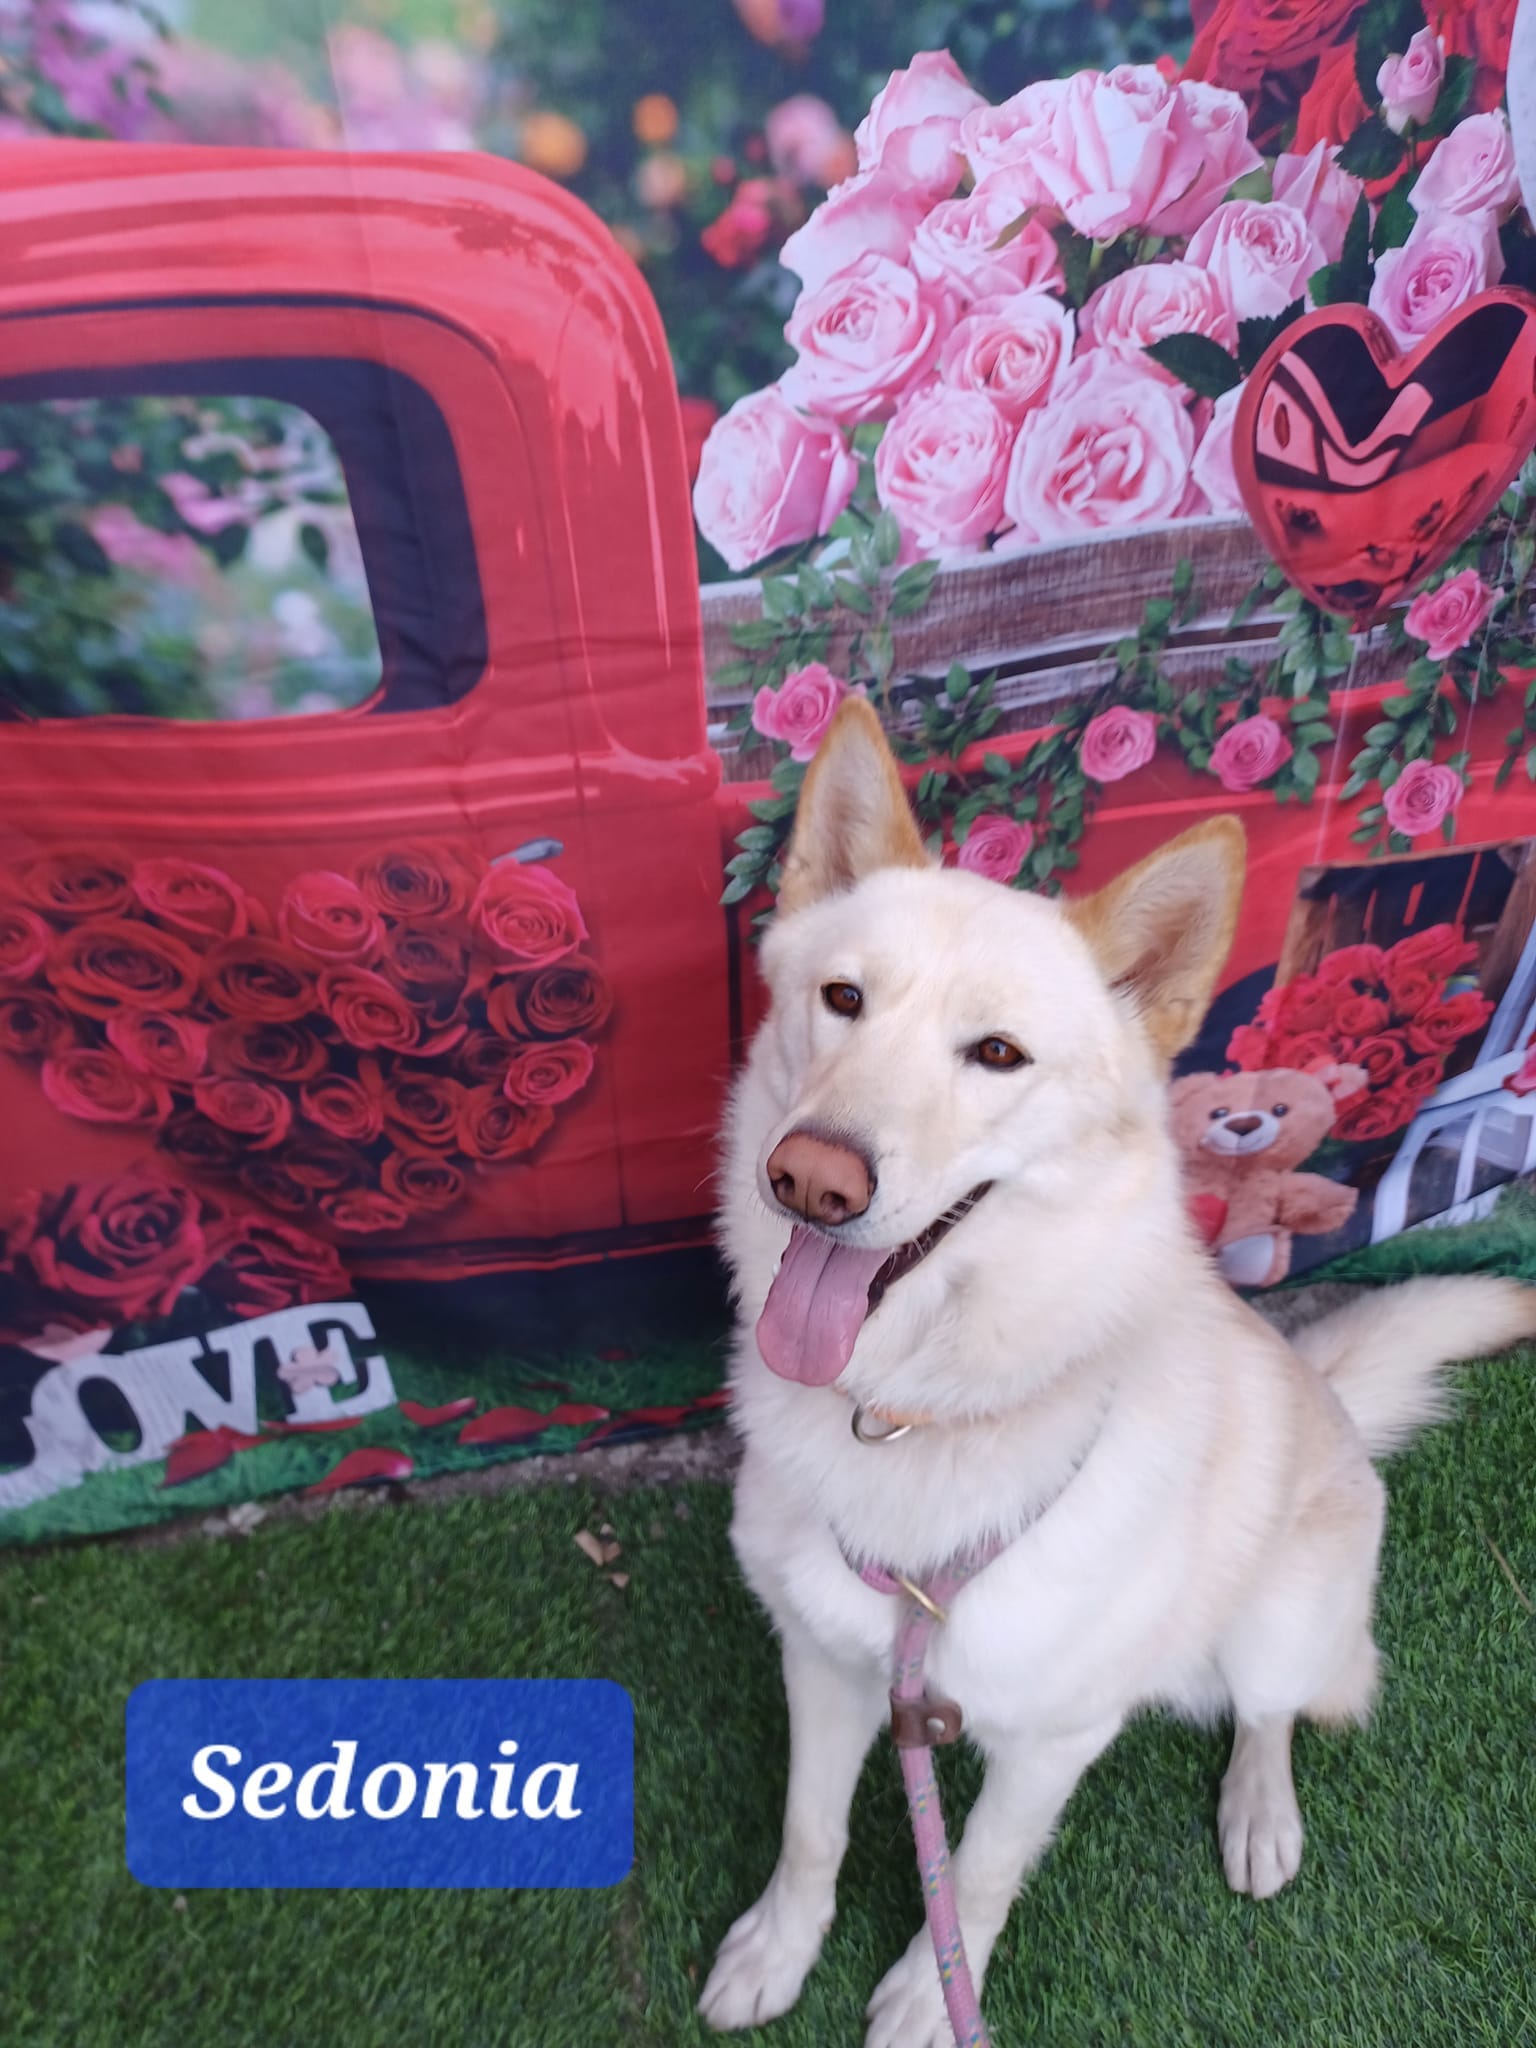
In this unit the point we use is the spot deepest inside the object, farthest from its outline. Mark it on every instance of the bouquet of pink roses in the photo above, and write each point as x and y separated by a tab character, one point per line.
1032	320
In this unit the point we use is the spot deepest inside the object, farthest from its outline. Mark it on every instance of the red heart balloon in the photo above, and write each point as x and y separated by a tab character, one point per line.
1364	469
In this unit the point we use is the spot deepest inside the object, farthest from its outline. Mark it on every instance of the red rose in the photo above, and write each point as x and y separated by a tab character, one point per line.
1422	1077
324	1164
1440	949
260	1265
562	1002
330	918
1411	987
99	1086
1359	964
1331	108
83	883
1377	1114
367	1011
1441	1025
527	915
110	963
268	1178
202	902
1481	30
159	1042
1305	1050
428	966
416	881
344	1107
197	1144
422	1111
256	1110
272	1052
492	1128
1382	1058
259	978
484	1056
1243	41
31	1025
129	1245
1305	1004
421	1182
24	942
1248	1048
1359	1016
548	1073
362	1211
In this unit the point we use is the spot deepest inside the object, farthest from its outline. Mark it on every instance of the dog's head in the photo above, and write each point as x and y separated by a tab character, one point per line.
937	1040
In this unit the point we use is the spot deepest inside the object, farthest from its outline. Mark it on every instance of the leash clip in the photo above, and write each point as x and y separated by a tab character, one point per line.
925	1723
866	1435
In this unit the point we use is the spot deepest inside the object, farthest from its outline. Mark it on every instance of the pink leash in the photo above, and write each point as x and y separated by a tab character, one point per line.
919	1723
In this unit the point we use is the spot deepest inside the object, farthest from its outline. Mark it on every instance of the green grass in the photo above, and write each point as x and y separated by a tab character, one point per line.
1411	1924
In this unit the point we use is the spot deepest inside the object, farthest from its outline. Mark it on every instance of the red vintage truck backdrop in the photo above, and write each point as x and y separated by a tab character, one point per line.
362	1043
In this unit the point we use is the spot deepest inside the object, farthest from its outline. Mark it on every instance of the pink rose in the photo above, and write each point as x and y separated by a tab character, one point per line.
1322	194
1260	256
1128	150
1112	449
1117	742
1213	125
940	469
1249	752
996	846
807	142
1472	171
1425	793
913	125
1446	260
873	214
800	710
1009	137
1150	302
863	340
955	250
1447	618
1213	471
1409	85
1014	349
769	478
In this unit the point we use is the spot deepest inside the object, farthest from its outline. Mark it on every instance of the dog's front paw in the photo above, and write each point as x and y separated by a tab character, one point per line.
764	1960
1259	1824
907	2010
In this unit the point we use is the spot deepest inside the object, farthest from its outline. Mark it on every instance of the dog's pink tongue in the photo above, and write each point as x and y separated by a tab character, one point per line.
816	1308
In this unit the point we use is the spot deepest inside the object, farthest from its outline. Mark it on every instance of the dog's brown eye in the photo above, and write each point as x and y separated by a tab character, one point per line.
998	1053
842	998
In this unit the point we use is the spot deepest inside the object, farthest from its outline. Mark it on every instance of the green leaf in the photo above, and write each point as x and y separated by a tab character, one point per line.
995	765
912	589
1254	336
1373	151
868	436
816	593
1076	254
83	551
1348	282
887	540
1353	787
736	890
879	651
1372	814
1394	223
757	838
1385	30
1255	184
957	682
1530	764
1314	735
734	675
1382	734
1506	769
1305	769
755	634
854	595
1363	834
1014	229
1197	361
315	545
781	600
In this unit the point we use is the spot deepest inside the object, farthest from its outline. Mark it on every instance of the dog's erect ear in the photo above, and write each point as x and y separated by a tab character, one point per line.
853	815
1163	929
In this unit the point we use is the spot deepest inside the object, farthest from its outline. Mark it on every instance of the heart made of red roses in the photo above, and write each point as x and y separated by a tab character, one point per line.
1363	469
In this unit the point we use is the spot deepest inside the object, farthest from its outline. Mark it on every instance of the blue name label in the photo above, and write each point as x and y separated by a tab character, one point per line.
364	1784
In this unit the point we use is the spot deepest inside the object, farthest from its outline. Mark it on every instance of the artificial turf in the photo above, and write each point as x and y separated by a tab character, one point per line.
1413	1922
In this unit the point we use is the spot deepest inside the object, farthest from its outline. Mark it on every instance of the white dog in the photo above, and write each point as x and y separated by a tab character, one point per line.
951	1201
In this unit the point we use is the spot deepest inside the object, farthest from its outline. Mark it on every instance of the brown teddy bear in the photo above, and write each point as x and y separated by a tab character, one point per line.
1242	1136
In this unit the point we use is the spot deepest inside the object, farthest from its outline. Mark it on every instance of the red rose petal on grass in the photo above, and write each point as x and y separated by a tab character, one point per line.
204	1450
286	1428
357	1468
506	1425
662	1417
720	1398
428	1418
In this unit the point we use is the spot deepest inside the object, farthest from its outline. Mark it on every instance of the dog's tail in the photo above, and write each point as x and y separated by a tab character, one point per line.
1385	1353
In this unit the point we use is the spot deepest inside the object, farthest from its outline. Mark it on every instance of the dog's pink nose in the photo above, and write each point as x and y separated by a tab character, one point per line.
819	1180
